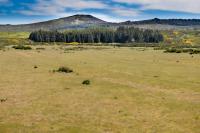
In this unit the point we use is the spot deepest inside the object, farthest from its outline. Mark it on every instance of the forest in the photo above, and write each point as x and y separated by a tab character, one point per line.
97	35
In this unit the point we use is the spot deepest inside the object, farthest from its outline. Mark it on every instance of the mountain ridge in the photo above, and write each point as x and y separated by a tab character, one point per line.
177	22
86	21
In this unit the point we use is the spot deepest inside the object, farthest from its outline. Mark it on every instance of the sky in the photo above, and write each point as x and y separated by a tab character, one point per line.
30	11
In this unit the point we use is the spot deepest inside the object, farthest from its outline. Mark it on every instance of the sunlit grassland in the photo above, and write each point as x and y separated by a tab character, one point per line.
13	38
14	34
132	90
182	37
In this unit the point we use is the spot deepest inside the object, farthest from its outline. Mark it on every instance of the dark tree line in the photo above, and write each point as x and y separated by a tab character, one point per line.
120	35
178	22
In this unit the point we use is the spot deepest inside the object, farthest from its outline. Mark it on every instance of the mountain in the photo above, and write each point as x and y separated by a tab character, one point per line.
76	21
85	21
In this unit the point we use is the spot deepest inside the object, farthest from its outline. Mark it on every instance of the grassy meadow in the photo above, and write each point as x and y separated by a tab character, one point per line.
182	37
14	38
132	90
14	35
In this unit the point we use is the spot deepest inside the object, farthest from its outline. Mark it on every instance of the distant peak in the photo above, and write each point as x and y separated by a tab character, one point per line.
82	16
156	19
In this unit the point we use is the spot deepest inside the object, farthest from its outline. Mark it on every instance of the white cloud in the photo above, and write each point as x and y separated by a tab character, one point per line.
59	8
126	12
190	6
80	4
55	7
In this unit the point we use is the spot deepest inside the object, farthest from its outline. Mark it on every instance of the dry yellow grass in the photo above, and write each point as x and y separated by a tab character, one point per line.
133	90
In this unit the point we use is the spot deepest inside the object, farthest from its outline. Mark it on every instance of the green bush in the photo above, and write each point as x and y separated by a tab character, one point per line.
22	47
65	70
86	82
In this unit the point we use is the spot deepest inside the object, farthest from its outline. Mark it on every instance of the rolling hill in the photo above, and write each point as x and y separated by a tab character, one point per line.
76	21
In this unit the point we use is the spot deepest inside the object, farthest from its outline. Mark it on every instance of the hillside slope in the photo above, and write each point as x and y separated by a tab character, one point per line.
76	21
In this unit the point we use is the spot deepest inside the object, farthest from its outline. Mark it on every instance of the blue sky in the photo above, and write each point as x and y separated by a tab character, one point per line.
30	11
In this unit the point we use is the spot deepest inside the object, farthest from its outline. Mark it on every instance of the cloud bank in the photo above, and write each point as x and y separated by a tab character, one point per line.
108	10
190	6
63	8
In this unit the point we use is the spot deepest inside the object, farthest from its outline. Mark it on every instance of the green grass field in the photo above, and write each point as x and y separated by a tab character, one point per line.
13	38
14	34
132	90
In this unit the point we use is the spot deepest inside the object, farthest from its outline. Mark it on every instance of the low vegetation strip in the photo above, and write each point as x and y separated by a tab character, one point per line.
182	50
106	35
22	47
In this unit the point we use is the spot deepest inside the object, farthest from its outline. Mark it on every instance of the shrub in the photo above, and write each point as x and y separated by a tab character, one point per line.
170	50
3	100
196	51
22	47
86	82
65	70
187	50
178	51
